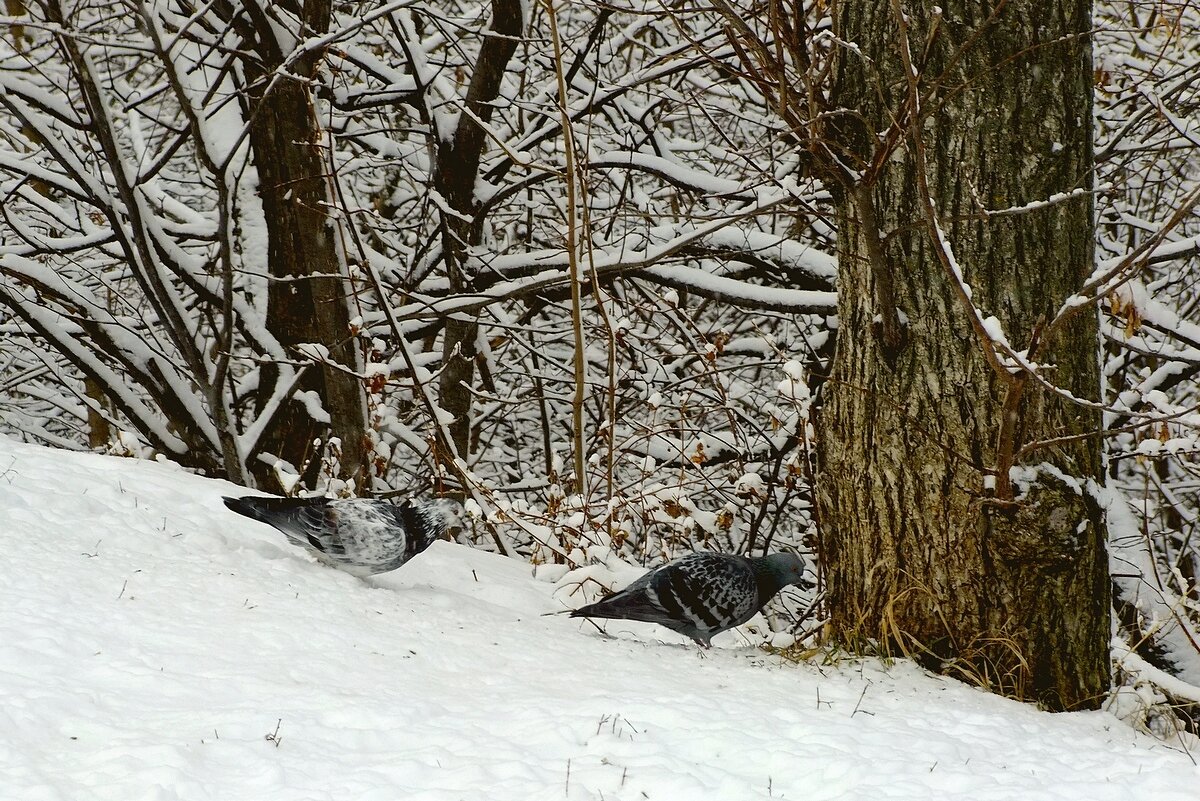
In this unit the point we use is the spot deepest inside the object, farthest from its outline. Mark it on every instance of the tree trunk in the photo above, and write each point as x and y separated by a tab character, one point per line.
921	555
455	176
308	300
99	431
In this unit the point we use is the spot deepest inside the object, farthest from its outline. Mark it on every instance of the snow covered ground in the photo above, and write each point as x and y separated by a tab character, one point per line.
154	645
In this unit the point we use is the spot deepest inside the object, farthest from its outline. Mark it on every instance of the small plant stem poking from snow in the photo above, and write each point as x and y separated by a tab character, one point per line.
273	737
860	700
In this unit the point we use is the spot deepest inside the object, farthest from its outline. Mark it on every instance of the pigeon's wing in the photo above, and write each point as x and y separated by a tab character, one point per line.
707	592
381	536
698	596
309	522
361	536
638	604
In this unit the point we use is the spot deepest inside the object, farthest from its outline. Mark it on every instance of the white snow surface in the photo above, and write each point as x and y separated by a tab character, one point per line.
151	640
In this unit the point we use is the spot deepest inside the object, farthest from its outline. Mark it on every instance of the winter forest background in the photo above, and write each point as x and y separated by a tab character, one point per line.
580	262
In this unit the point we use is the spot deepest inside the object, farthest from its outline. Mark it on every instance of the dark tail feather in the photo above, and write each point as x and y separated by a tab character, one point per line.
250	506
614	607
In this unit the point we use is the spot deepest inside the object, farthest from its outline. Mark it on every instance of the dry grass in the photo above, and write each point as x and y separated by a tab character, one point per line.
992	661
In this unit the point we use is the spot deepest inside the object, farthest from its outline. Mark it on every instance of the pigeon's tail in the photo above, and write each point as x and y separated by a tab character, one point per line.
636	606
282	513
249	506
618	607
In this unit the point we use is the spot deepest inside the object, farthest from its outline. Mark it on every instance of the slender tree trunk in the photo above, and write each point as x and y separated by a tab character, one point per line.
16	9
922	555
309	297
455	175
99	431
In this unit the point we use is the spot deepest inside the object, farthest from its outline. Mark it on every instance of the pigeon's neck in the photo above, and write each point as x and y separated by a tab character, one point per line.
767	579
423	523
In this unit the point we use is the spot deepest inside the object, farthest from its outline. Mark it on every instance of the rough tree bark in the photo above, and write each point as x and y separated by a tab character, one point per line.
921	554
308	300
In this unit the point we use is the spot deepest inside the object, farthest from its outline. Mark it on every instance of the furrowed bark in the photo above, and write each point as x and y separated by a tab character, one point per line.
1008	592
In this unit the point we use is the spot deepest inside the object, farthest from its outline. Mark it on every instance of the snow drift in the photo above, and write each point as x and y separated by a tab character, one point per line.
153	645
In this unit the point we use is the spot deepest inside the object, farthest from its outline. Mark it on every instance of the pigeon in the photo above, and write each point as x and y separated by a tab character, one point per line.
360	536
702	594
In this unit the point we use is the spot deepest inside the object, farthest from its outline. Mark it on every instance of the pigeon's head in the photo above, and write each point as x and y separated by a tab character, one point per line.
452	515
784	568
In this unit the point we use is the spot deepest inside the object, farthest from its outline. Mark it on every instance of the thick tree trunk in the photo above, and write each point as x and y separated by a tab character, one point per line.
920	555
308	300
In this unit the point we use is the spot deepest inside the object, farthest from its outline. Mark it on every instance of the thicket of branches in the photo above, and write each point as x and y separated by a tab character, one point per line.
587	254
1147	99
136	283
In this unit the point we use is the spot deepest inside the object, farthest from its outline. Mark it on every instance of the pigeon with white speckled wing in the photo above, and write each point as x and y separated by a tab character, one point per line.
703	594
360	536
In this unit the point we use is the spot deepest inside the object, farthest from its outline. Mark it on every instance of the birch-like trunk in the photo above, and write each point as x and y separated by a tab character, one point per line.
921	555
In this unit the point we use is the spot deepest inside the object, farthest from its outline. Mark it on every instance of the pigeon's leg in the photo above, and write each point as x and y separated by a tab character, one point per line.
600	629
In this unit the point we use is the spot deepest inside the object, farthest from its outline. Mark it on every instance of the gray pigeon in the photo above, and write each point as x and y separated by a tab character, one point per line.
702	594
361	536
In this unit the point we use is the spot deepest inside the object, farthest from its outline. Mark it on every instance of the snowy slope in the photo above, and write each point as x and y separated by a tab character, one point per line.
150	640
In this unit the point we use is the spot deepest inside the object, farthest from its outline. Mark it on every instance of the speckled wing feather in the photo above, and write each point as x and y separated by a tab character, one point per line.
361	536
699	596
